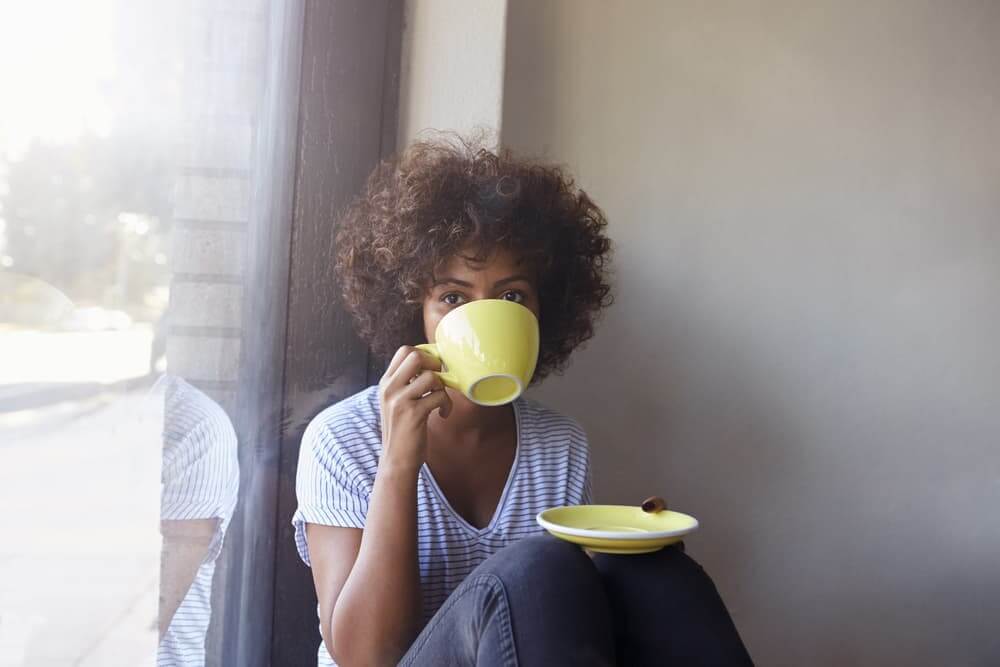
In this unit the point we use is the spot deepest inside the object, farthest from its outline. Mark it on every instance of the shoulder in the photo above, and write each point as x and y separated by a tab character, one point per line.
542	425
357	412
350	428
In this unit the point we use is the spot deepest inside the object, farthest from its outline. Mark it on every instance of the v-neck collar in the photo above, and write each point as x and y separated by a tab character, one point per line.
468	527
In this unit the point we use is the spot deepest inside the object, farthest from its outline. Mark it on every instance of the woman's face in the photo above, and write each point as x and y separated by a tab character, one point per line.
459	281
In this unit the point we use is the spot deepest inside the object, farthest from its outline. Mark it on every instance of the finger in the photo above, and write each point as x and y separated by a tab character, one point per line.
429	361
436	400
424	383
397	359
445	408
410	367
405	371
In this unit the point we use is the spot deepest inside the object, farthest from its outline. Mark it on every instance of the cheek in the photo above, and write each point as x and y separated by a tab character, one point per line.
534	306
431	319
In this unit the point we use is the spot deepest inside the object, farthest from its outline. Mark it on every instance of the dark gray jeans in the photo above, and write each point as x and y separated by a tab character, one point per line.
542	601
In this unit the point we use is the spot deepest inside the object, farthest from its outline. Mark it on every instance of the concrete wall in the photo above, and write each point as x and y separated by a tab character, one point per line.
805	199
452	67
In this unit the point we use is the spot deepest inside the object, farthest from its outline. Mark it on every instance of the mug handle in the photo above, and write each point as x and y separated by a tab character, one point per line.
448	378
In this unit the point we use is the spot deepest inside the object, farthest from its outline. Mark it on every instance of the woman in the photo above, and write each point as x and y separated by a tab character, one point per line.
416	506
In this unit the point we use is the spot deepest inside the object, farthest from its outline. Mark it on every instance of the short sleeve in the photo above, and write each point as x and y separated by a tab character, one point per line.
331	486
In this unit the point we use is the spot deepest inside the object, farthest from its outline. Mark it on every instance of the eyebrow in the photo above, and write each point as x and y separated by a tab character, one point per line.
451	281
511	279
448	280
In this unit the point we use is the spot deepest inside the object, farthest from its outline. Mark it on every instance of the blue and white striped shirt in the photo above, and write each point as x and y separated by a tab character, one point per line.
199	480
339	458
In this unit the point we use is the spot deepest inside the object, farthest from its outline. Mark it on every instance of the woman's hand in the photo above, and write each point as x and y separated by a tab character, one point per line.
408	392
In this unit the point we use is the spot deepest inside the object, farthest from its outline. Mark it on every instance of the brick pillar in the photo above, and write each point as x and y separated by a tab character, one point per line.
223	54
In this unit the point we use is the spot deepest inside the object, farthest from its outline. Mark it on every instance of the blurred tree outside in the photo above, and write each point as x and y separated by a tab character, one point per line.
90	218
88	136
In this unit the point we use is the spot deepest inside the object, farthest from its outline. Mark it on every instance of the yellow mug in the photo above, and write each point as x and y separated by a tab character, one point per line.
488	350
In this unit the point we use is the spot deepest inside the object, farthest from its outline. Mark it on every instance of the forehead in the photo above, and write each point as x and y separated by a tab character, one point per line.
503	260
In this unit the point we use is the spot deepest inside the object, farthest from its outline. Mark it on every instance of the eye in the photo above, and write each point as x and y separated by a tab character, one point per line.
513	295
453	299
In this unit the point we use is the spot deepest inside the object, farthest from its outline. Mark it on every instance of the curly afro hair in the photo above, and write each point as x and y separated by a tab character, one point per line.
445	196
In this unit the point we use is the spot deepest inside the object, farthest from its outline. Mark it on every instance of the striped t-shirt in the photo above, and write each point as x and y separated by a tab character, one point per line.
339	458
200	480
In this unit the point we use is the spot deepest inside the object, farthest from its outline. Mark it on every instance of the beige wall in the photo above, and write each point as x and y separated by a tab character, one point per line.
805	349
452	67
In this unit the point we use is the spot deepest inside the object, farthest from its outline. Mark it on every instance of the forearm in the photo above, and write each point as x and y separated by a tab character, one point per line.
185	545
377	614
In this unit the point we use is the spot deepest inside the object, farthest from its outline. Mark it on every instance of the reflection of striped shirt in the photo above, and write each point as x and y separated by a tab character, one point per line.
339	458
199	480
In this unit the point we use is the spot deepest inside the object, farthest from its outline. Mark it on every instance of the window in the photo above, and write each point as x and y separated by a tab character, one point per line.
168	174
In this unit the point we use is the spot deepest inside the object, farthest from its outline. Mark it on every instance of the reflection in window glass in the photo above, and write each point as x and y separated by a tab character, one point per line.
126	140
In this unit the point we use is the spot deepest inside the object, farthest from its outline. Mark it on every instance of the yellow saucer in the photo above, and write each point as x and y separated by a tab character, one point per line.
617	529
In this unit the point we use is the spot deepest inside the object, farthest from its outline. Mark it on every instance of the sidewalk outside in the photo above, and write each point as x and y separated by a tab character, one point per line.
79	492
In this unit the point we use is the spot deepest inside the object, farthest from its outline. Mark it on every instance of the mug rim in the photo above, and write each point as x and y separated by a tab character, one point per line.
493	404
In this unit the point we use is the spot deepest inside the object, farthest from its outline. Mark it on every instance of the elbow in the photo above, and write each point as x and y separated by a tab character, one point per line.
325	631
351	646
346	645
339	643
341	647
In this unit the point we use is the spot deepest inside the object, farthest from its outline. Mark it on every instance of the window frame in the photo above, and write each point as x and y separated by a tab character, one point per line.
328	115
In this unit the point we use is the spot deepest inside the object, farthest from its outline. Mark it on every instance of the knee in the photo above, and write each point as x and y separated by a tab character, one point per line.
670	560
543	564
545	551
669	570
548	555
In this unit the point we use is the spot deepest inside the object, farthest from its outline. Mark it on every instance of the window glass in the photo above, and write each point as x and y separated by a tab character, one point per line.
131	176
